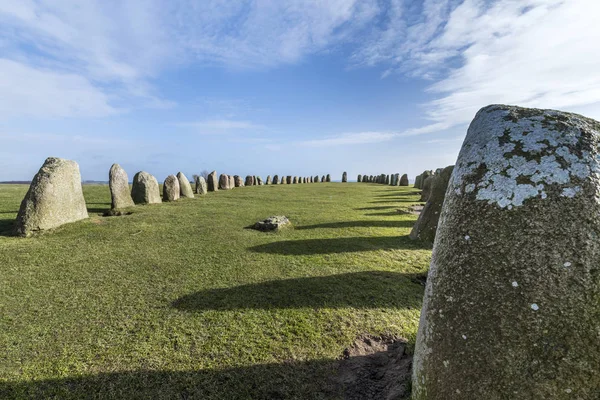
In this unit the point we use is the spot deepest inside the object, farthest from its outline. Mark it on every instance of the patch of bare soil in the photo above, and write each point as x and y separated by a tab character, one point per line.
376	367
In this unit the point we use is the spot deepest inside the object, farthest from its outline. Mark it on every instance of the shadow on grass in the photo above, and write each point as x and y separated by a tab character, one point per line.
400	194
371	289
360	224
7	227
389	214
359	377
337	245
375	208
394	201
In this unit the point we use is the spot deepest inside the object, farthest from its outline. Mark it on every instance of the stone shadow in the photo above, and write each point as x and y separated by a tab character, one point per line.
338	245
370	289
360	224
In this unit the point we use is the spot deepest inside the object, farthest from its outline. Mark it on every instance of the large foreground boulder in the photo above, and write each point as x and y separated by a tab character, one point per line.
54	198
171	188
145	189
512	302
404	180
426	225
224	182
184	186
212	182
201	185
118	182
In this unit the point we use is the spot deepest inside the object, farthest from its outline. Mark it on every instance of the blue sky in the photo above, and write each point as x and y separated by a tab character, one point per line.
294	87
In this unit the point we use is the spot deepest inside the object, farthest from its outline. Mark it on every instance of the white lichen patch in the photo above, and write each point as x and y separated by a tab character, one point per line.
515	284
567	264
535	307
511	155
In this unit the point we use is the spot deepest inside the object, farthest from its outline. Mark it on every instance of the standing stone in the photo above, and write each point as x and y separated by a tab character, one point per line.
145	189
256	183
171	188
295	180
511	307
213	182
328	178
249	180
426	188
224	182
404	180
118	182
288	179
387	180
184	186
200	185
231	181
426	225
54	198
237	181
269	181
259	180
344	177
276	180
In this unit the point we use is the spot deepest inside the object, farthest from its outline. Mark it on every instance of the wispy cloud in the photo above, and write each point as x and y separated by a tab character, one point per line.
220	125
349	139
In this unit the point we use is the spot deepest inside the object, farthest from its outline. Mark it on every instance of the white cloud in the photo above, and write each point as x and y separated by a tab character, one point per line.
220	125
533	53
349	138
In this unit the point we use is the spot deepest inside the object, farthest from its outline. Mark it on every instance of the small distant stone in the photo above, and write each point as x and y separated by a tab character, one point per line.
271	223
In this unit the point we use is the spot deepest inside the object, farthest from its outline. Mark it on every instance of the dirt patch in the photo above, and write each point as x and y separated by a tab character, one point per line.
376	367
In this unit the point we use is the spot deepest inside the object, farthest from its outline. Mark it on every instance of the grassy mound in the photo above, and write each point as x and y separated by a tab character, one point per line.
178	300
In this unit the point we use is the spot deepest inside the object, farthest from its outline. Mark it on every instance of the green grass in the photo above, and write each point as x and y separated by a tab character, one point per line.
178	300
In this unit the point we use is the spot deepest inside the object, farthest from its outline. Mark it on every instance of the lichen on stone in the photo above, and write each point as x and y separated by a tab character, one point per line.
509	157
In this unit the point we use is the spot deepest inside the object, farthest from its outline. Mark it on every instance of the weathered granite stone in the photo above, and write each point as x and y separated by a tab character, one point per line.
231	181
224	182
275	179
344	177
212	182
249	180
54	198
184	186
259	180
328	178
269	181
295	180
387	180
237	181
426	225
404	180
288	179
145	189
256	182
271	224
426	188
512	302
201	185
359	178
171	188
118	182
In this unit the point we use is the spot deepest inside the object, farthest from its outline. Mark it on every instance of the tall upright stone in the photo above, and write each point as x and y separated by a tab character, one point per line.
231	181
259	180
249	180
404	180
256	182
237	181
184	186
295	180
54	198
224	182
387	180
171	188
426	226
344	177
512	302
426	191
145	189
316	179
269	181
275	179
328	178
201	185
212	182
118	182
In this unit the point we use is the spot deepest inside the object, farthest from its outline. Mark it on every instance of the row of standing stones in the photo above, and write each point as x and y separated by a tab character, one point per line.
512	301
55	196
392	180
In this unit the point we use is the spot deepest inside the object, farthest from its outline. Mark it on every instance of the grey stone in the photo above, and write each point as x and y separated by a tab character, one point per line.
54	198
259	180
511	307
212	182
118	183
328	178
269	181
145	189
184	186
256	183
237	181
404	180
426	225
224	182
271	224
201	185
426	191
344	177
249	180
171	188
295	180
231	181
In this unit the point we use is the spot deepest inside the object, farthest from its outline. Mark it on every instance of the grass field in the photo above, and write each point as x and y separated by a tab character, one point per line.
178	300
